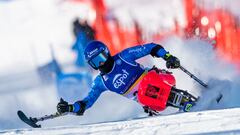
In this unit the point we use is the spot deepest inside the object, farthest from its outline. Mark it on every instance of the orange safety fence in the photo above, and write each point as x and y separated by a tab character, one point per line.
110	32
218	26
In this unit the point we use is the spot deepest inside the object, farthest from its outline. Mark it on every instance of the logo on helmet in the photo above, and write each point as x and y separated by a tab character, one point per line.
90	54
119	79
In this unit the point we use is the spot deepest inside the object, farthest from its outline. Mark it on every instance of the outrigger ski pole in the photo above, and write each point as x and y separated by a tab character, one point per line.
193	76
33	121
219	97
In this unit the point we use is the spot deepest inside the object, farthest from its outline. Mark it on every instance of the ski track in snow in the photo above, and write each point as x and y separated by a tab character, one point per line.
226	121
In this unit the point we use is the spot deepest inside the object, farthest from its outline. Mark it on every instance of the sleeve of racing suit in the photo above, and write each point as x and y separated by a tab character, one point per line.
133	53
97	88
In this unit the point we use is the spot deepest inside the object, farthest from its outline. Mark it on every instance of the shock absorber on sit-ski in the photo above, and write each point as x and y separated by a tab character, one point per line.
175	99
178	98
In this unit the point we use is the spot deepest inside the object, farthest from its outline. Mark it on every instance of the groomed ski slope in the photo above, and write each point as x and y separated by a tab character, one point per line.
226	121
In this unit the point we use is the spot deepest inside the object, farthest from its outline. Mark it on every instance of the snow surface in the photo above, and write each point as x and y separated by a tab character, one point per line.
28	27
217	122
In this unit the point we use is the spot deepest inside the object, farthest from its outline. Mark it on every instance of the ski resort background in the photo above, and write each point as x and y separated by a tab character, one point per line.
38	65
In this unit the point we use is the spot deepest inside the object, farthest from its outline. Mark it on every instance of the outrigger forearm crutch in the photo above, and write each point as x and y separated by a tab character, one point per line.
193	76
33	121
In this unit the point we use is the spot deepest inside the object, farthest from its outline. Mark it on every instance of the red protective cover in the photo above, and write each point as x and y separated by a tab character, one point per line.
154	89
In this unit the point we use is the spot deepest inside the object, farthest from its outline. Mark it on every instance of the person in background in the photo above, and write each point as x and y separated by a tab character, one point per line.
83	34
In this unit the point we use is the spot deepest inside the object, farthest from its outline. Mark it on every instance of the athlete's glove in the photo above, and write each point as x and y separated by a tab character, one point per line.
78	107
64	107
171	61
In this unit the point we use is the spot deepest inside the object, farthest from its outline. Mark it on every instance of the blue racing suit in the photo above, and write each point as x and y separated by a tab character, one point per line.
124	77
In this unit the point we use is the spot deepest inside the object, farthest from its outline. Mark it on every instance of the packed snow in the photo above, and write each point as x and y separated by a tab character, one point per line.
29	27
208	122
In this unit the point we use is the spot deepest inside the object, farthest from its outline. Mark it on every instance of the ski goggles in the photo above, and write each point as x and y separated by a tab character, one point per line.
98	60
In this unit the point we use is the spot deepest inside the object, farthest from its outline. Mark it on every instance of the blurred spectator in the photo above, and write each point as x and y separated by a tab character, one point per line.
83	34
71	85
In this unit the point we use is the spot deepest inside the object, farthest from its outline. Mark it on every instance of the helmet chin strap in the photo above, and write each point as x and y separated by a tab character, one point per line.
107	67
